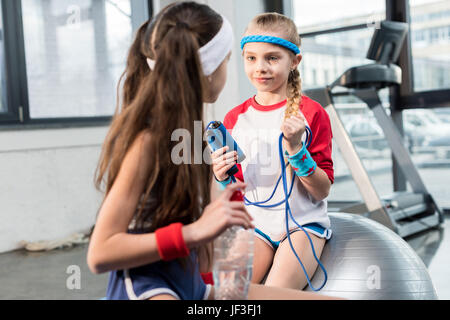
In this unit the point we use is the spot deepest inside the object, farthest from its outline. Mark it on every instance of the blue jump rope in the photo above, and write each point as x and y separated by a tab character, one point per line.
216	132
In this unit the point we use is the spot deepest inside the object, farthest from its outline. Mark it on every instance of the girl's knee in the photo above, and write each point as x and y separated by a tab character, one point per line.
286	270
262	260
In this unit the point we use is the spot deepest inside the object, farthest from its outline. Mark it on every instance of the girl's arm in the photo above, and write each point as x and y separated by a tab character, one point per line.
112	248
263	292
318	184
204	261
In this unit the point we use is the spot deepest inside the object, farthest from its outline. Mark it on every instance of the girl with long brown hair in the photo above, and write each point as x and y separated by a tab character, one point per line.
157	217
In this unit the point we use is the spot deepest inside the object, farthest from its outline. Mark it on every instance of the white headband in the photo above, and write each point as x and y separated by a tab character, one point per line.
215	51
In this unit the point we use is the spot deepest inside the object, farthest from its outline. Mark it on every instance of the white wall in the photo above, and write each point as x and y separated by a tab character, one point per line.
46	175
46	188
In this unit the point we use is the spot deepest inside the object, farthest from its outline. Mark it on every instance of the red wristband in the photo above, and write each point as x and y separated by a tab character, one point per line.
171	243
208	278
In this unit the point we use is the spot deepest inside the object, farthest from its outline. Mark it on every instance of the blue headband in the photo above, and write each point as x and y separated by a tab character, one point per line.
269	39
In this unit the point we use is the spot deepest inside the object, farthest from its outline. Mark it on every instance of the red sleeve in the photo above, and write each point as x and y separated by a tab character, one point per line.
321	144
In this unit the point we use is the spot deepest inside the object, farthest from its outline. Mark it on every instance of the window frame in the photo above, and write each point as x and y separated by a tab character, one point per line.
18	110
12	58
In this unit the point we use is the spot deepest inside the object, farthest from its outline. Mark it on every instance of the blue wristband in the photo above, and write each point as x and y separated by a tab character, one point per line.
223	184
302	163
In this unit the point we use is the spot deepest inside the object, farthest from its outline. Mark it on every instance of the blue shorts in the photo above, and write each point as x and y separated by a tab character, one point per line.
158	278
313	228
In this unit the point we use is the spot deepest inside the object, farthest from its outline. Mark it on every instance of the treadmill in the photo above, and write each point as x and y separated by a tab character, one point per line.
404	212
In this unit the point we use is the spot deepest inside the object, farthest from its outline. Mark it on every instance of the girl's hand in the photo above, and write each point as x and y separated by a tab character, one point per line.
218	216
222	162
293	129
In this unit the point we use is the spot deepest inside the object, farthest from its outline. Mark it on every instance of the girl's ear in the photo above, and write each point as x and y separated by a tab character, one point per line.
296	61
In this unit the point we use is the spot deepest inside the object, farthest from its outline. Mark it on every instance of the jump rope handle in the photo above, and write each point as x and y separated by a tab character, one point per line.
218	137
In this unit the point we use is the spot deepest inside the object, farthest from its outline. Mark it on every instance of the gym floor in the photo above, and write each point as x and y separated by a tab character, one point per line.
47	275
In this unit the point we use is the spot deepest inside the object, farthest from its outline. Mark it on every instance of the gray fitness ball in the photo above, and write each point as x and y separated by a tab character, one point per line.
365	260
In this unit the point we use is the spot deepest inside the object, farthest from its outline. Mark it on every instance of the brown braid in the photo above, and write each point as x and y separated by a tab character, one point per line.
294	98
294	94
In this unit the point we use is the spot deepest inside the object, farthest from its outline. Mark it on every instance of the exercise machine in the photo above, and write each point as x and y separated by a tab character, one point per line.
404	212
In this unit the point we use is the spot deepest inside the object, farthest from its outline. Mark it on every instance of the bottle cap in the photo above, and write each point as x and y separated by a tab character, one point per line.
237	196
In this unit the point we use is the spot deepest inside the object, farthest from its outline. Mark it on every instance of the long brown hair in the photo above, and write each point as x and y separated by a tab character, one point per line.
275	22
160	101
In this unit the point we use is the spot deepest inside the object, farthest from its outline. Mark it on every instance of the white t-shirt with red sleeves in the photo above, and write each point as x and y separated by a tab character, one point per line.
257	130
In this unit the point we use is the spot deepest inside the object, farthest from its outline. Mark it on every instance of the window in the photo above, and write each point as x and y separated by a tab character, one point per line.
75	53
428	134
3	91
331	54
313	77
419	36
371	145
427	137
313	16
430	40
335	37
326	76
327	51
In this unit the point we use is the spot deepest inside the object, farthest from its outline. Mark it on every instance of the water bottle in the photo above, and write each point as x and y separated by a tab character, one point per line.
233	262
